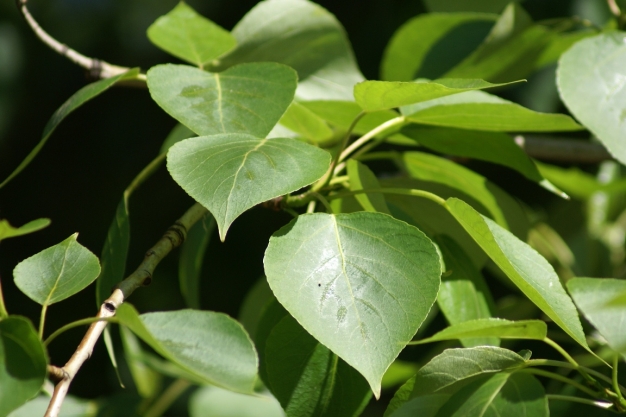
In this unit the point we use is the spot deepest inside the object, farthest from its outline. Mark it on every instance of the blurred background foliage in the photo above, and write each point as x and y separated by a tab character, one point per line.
79	177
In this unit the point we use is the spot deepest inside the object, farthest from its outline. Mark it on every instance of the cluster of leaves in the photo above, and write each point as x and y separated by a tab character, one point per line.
267	112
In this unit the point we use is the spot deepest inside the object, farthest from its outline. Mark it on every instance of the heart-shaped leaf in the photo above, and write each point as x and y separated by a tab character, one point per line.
210	346
247	98
591	79
360	283
383	95
231	173
189	36
7	231
23	363
57	273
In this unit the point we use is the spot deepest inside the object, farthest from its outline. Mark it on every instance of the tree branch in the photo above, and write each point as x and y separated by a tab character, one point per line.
96	68
173	237
563	150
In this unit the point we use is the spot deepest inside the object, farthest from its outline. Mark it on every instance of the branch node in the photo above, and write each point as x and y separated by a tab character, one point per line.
176	234
110	307
57	374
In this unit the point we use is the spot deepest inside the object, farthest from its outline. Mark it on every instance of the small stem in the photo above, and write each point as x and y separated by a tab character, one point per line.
3	311
401	191
323	182
561	378
369	135
339	180
561	364
572	361
167	398
144	175
614	8
311	207
77	323
594	403
614	381
323	200
42	320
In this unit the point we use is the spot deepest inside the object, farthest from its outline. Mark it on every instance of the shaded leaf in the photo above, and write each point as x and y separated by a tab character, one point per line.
78	99
178	133
7	231
342	113
398	373
303	121
147	381
57	273
410	45
211	346
215	402
594	297
573	181
114	252
72	407
591	79
477	110
424	406
528	270
449	6
347	298
231	173
253	306
383	95
187	35
307	378
23	363
361	178
271	315
192	255
248	98
327	71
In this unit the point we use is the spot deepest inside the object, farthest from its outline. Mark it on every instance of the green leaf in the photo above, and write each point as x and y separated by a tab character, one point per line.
361	177
231	173
78	99
187	35
346	296
271	315
383	95
424	406
573	181
502	394
211	346
449	6
591	79
23	363
477	110
303	121
280	30
253	305
342	113
427	167
532	274
57	273
464	294
454	365
191	259
307	378
178	133
248	98
72	407
560	43
594	297
114	253
409	47
398	373
7	231
216	402
490	327
147	381
509	52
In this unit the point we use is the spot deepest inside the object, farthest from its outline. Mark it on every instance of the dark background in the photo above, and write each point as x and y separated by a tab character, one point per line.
78	178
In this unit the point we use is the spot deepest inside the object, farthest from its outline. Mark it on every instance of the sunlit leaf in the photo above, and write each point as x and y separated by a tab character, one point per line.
187	35
231	173
591	78
23	363
248	98
211	346
365	282
57	273
7	231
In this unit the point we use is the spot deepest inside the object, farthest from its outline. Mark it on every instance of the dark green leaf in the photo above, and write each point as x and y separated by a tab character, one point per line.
216	402
464	294
251	311
178	133
307	378
343	113
78	99
398	373
57	273
523	265
271	315
231	173
7	231
477	110
361	177
189	36
192	255
23	363
383	95
114	253
424	406
147	381
591	81
346	296
573	181
448	6
211	346
248	98
411	44
594	297
280	30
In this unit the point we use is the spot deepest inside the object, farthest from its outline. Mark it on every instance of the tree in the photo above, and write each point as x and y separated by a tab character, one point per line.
387	217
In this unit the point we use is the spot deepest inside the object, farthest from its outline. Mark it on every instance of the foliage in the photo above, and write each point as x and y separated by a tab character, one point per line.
390	225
